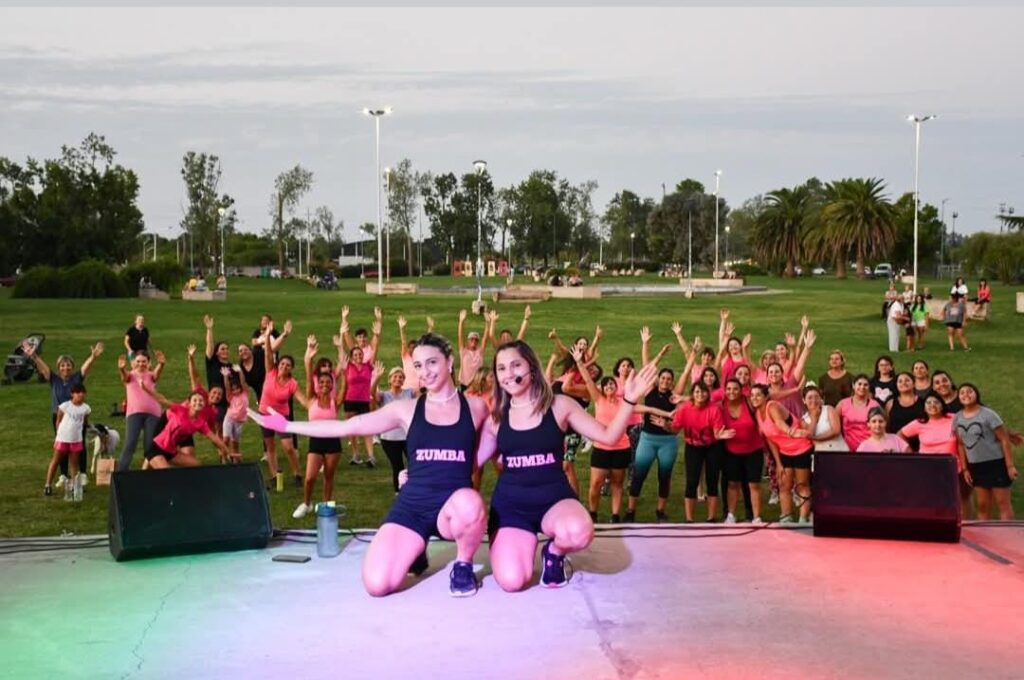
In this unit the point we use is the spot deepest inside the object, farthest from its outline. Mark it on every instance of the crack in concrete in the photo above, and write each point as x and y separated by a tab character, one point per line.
625	667
153	619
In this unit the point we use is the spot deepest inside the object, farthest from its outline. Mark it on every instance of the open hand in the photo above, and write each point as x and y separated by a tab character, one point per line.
639	384
271	421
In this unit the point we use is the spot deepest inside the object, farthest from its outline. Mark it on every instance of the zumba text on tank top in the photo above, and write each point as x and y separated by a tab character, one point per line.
441	455
532	456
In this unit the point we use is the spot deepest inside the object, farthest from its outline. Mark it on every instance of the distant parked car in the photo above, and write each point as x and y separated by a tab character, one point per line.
883	269
818	271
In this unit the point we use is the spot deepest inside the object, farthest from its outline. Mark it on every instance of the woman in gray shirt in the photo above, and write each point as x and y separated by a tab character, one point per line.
983	445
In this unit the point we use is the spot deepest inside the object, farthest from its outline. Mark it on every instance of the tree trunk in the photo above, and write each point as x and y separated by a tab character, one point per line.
790	266
408	244
860	265
840	267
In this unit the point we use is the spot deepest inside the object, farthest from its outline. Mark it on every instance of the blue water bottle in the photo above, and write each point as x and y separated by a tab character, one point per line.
327	530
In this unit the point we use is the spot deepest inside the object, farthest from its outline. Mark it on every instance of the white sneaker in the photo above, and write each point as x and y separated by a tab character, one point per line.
786	519
805	520
758	520
774	499
60	481
301	511
83	479
730	518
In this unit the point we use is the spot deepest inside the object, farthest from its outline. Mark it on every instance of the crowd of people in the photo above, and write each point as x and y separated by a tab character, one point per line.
447	414
907	312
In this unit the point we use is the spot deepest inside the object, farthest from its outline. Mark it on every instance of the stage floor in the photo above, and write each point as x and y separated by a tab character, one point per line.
775	603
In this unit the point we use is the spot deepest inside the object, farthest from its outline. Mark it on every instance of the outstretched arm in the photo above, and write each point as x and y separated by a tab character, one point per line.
598	334
274	343
193	374
592	391
801	362
307	362
164	401
559	345
645	345
208	322
377	327
461	337
403	348
364	425
29	351
161	361
637	385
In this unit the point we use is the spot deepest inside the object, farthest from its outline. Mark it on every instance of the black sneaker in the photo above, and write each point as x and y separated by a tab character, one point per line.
554	575
420	564
462	580
660	516
354	461
593	517
630	517
616	519
371	463
47	490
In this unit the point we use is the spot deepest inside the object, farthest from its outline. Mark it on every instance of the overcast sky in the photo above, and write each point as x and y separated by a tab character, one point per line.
631	98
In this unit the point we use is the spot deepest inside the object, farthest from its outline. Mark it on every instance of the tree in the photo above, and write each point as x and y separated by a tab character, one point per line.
778	235
625	214
686	215
929	232
289	187
858	219
578	205
203	220
742	223
405	188
60	212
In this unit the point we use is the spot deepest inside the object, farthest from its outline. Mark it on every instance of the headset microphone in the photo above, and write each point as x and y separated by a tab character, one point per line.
518	379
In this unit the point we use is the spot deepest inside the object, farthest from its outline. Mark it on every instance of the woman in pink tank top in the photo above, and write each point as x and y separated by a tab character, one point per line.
321	403
278	388
791	447
358	388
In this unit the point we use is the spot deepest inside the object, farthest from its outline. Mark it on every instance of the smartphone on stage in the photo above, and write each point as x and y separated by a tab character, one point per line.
299	559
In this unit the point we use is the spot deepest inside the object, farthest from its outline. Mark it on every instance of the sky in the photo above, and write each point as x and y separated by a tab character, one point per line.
629	97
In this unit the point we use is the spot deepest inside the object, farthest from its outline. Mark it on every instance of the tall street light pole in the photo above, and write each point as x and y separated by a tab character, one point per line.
481	168
942	241
917	120
377	114
387	248
220	218
727	247
508	235
632	236
718	178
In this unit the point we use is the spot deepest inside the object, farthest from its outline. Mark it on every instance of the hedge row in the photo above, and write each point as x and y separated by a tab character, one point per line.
93	279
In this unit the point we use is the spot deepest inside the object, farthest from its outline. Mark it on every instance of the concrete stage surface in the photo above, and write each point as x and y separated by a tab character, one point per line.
724	603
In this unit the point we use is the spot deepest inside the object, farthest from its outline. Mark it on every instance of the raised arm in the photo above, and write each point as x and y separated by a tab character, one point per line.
208	323
592	390
342	363
345	335
161	361
677	330
461	337
598	334
403	347
375	376
490	332
307	363
549	371
193	373
724	330
122	368
94	353
274	343
525	323
164	401
377	327
268	353
801	362
645	345
40	365
559	345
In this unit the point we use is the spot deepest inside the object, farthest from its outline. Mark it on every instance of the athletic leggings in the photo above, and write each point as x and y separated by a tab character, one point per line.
709	458
136	424
396	453
661	447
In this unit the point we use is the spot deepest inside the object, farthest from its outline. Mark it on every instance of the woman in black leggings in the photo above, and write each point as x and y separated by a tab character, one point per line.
393	441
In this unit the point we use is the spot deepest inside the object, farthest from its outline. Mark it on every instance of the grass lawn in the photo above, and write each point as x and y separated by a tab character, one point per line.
845	314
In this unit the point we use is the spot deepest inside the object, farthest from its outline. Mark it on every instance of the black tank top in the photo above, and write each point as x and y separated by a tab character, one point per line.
901	415
441	455
532	456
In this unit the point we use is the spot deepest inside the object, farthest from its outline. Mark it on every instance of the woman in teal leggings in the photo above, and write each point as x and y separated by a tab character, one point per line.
657	443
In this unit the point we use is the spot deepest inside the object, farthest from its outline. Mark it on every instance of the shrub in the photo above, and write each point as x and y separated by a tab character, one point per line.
39	282
442	269
165	274
349	271
744	269
399	268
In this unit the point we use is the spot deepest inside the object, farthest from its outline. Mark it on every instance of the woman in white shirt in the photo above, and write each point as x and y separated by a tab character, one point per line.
960	288
823	420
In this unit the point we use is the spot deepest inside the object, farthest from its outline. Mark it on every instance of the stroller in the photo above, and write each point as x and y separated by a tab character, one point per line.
19	367
328	281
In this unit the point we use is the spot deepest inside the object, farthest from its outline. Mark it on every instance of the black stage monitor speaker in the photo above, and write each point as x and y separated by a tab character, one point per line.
187	510
886	495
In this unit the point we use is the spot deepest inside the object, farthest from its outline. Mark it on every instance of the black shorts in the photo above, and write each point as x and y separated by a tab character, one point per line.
356	407
954	325
990	474
610	459
520	506
418	507
800	462
324	445
743	467
154	450
270	434
188	442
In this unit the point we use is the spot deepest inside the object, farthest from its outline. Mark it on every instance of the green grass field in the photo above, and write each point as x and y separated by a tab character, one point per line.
845	314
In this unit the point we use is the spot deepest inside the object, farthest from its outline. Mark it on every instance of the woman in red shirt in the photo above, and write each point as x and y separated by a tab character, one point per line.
744	452
183	421
609	460
702	427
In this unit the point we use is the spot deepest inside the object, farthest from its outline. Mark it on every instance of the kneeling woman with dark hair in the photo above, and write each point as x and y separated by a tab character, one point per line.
791	447
526	428
438	498
183	421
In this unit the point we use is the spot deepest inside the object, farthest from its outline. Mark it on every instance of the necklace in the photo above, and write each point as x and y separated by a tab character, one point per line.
446	399
513	404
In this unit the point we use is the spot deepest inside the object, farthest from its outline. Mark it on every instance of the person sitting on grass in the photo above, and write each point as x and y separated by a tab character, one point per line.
72	419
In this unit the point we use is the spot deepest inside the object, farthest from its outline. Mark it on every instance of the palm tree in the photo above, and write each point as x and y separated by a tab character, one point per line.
778	232
858	217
